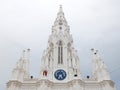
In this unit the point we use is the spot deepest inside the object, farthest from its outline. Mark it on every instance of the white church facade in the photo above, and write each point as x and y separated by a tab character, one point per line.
60	69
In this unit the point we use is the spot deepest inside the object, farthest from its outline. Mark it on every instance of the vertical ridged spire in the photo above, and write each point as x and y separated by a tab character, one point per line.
22	66
60	51
99	69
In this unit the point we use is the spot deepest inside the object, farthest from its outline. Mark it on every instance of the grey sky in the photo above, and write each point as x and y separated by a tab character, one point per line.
27	24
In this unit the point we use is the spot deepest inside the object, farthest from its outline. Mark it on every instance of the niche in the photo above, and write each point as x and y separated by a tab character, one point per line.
45	73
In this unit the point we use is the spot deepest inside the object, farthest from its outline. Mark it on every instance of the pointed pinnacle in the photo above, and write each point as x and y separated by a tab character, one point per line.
60	13
60	9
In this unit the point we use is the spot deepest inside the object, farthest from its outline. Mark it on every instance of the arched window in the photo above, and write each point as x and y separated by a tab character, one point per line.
45	73
60	52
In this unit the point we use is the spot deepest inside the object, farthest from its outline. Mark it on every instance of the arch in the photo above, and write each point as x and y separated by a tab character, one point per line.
45	73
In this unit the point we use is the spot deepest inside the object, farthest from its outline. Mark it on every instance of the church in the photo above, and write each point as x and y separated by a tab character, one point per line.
60	69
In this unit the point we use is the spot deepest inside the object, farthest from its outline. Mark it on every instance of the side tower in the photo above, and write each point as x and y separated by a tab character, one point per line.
60	60
20	72
99	69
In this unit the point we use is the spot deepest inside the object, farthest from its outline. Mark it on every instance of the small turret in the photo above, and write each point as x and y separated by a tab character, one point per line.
99	69
21	69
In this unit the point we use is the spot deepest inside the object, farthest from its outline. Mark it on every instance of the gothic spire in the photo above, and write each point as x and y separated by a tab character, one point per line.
60	20
22	65
99	69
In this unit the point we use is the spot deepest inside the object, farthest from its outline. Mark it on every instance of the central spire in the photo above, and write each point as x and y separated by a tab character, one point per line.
60	23
60	53
60	20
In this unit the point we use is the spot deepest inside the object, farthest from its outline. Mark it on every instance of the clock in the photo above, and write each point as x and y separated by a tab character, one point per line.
60	74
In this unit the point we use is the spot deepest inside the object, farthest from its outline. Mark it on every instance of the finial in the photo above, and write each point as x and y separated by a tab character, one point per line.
60	8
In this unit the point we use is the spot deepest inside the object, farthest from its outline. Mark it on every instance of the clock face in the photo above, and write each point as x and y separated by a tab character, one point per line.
60	74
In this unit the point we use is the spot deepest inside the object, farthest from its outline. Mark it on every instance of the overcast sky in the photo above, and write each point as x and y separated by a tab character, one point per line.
27	24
